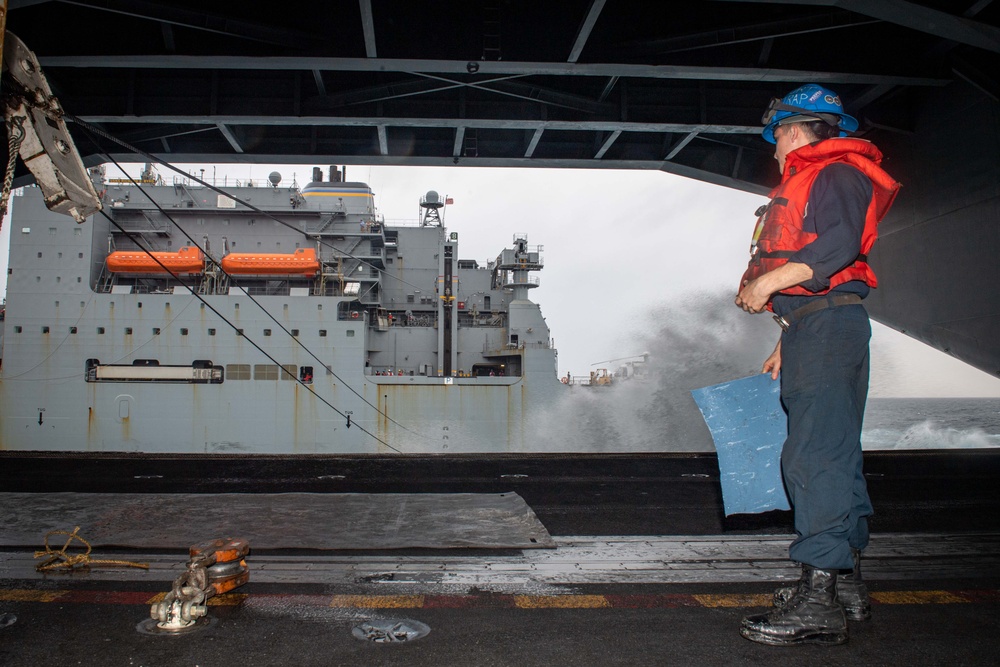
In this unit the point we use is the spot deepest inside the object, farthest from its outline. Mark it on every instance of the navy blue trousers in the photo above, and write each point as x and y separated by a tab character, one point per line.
824	386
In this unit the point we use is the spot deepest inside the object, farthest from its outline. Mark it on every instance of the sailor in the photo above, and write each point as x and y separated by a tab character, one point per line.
809	266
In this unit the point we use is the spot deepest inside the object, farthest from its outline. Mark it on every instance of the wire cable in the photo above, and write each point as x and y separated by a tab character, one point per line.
248	339
93	129
249	296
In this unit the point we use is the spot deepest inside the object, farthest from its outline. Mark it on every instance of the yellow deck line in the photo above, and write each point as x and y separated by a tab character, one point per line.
378	601
561	601
569	601
917	597
734	600
22	595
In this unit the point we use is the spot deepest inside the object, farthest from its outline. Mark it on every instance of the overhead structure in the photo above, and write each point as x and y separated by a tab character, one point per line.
677	87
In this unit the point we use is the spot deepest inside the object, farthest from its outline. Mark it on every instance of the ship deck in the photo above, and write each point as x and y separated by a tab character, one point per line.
646	569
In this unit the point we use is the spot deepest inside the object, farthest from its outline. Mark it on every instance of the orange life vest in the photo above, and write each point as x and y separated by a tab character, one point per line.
779	233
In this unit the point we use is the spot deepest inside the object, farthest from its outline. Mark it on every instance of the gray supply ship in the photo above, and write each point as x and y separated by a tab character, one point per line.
200	325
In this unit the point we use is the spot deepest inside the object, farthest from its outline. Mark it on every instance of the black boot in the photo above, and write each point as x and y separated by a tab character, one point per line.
851	592
811	616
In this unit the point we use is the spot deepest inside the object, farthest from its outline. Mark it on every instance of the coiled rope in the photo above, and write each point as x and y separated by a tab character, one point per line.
58	558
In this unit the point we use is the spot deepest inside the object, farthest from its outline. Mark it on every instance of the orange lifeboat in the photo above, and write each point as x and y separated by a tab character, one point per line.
187	260
302	262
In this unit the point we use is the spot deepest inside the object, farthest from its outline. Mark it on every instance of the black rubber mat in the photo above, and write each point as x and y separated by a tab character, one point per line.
277	521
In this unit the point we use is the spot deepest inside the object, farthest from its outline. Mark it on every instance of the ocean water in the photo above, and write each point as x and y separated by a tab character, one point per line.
931	423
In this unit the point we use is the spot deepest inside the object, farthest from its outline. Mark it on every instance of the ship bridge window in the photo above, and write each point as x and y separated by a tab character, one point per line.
72	330
211	332
45	329
267	332
288	371
17	329
306	374
322	333
238	371
100	331
128	331
184	331
156	331
265	372
350	333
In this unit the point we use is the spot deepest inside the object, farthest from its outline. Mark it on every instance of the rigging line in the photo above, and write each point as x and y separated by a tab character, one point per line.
257	303
96	130
248	339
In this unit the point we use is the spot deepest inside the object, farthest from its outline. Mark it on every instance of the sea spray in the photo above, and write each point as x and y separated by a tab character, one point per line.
702	340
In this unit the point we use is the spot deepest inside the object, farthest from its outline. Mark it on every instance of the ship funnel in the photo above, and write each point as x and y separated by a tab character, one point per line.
317	175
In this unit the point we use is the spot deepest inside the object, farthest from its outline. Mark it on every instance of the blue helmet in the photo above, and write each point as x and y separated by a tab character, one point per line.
812	101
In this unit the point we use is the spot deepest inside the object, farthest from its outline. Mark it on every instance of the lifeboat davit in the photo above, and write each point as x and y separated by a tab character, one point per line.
302	262
187	261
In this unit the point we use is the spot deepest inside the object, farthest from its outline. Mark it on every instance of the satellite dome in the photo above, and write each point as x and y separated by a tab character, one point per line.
275	178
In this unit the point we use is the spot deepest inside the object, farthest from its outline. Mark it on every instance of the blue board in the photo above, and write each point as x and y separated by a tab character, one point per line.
749	428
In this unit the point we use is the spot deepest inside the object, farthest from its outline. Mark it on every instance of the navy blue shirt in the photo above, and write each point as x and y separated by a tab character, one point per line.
838	202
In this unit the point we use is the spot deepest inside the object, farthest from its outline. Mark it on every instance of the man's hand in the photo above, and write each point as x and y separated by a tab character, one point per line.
772	364
753	297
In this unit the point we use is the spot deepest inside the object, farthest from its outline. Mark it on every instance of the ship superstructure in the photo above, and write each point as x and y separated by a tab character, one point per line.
270	319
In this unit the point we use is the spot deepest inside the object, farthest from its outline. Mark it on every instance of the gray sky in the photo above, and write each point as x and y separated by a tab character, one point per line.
618	245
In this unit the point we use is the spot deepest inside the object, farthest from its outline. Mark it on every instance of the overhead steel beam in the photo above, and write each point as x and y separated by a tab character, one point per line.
608	87
913	16
427	161
383	141
375	121
169	43
201	21
530	93
320	86
535	138
230	137
679	146
754	32
459	141
400	89
487	67
368	25
583	34
607	144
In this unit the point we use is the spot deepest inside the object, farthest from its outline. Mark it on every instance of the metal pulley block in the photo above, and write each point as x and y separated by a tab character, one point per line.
215	567
45	146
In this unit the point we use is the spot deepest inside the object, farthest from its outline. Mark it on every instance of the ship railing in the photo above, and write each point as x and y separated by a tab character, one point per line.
509	348
515	281
401	222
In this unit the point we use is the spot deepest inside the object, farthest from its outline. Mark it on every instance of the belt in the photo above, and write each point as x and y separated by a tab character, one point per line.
785	321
